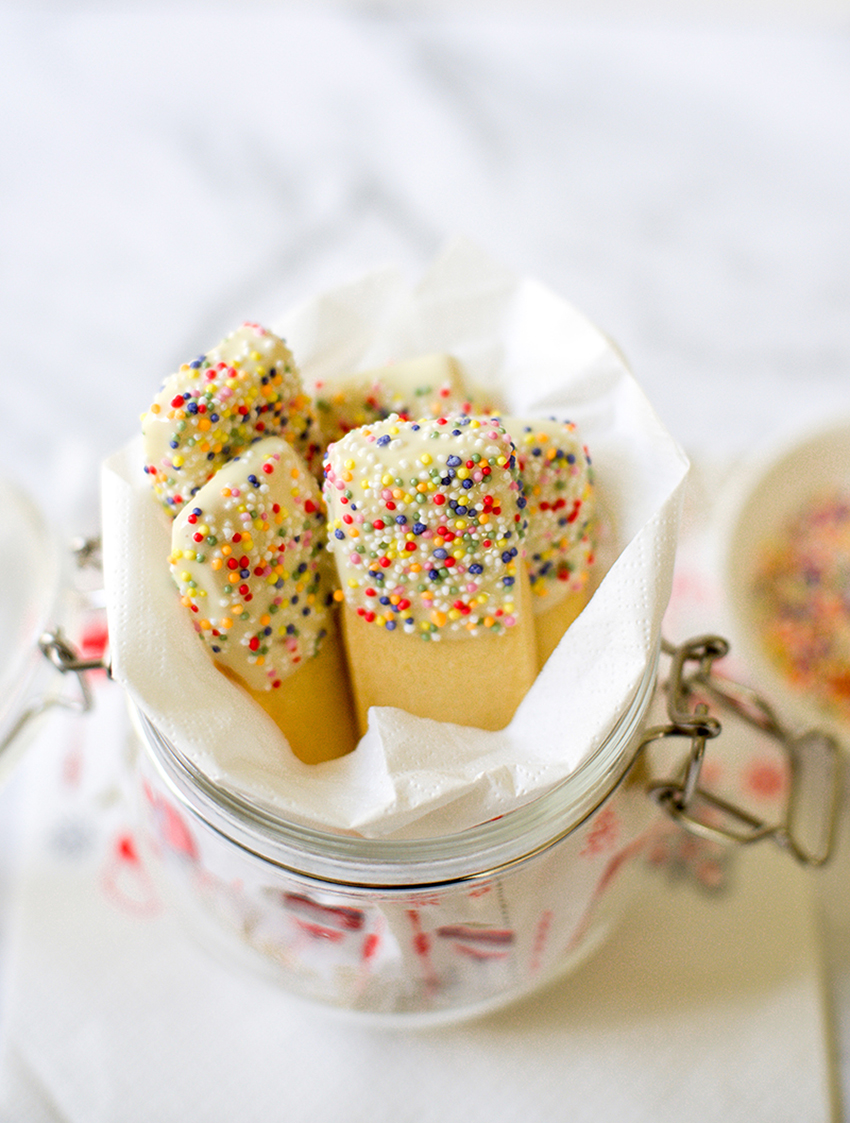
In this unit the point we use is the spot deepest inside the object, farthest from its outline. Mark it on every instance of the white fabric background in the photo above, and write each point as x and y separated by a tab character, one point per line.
167	171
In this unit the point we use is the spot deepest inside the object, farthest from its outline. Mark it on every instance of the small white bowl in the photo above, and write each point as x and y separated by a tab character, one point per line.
762	497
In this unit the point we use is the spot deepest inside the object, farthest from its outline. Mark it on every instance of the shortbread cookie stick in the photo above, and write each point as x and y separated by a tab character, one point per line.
214	407
248	556
425	386
560	548
429	386
426	521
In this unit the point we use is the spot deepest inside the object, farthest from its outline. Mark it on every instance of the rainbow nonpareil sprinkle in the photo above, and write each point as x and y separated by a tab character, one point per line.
213	407
426	521
429	386
248	557
802	598
557	479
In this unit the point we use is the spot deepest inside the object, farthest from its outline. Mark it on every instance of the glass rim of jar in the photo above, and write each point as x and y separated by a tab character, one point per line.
356	862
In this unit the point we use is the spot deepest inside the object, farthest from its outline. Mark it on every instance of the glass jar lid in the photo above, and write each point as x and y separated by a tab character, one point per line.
29	562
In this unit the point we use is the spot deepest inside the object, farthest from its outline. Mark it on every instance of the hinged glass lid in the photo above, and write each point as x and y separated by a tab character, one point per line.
29	563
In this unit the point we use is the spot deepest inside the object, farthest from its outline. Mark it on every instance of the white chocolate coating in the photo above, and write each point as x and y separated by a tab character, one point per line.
426	522
429	386
212	408
558	483
248	556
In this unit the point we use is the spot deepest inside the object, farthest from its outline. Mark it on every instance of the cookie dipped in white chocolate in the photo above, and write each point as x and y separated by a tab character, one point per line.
248	557
428	386
426	522
212	408
560	549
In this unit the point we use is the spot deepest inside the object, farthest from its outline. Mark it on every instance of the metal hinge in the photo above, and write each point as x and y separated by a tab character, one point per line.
65	658
807	827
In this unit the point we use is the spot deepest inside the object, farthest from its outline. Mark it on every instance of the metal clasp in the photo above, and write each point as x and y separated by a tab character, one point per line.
808	826
64	657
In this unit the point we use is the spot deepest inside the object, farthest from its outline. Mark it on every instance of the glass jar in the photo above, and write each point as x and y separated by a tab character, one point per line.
422	927
440	928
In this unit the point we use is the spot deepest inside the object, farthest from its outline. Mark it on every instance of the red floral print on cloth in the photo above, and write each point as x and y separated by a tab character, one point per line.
125	880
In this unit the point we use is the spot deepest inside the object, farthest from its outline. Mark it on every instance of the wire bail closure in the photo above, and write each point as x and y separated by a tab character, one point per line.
57	649
64	658
807	828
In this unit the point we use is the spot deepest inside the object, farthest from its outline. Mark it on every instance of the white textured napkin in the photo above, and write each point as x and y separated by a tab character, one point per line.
705	1009
409	775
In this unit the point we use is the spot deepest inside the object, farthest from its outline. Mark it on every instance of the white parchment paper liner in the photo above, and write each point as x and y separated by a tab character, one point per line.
409	776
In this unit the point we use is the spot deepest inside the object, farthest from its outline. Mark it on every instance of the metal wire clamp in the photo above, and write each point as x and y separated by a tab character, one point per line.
64	657
807	827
